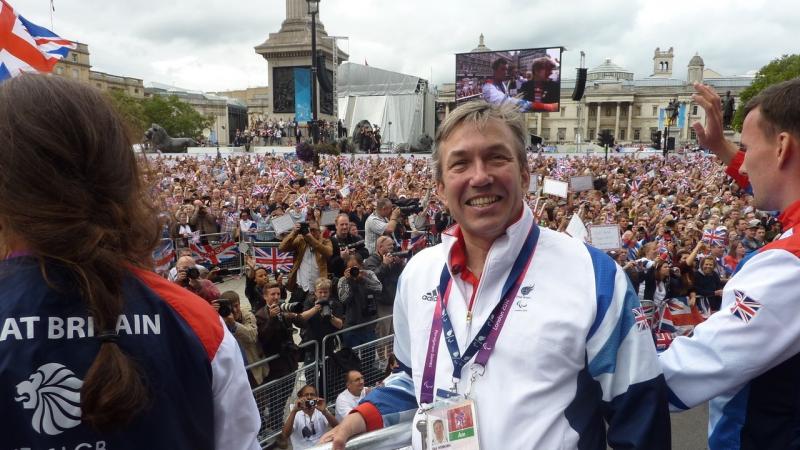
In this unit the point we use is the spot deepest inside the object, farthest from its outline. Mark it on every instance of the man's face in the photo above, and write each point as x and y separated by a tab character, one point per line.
261	277
501	73
355	382
342	226
272	296
482	182
438	428
384	247
760	162
313	228
760	233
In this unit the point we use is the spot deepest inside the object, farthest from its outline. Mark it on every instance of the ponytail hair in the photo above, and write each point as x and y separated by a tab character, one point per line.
72	193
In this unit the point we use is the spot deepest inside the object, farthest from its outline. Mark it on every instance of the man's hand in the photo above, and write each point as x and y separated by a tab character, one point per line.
274	310
321	404
344	252
388	259
711	137
351	425
181	277
396	214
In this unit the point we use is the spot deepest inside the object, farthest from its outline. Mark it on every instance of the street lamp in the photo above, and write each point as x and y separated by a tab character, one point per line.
313	9
671	113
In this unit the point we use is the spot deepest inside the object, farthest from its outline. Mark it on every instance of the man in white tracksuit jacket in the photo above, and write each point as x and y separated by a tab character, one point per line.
571	362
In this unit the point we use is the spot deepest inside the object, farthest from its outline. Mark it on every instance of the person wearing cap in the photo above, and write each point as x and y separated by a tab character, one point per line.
745	358
749	240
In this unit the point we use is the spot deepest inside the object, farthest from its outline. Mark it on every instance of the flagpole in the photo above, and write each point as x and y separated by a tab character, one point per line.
52	9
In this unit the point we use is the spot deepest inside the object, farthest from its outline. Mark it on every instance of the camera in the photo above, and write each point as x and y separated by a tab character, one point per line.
354	246
303	228
311	403
224	307
326	312
408	206
193	273
406	254
354	271
294	307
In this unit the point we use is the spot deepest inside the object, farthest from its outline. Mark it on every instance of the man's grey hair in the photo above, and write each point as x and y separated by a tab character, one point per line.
479	113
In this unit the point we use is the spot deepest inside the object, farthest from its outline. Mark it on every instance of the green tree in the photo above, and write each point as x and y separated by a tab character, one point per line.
178	118
131	110
784	68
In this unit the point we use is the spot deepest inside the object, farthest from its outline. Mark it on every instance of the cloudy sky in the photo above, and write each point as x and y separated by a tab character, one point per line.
208	44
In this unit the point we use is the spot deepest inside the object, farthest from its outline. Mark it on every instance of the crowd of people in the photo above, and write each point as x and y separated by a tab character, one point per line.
704	269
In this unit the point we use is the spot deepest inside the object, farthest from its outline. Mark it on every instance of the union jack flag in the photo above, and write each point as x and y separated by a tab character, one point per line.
318	182
163	256
745	308
260	190
716	237
273	259
414	244
27	47
635	184
640	318
302	201
214	255
663	340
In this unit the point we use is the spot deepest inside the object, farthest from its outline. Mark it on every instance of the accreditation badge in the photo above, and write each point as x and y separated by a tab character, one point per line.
453	424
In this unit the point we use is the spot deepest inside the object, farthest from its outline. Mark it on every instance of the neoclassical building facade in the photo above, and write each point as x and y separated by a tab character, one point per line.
630	108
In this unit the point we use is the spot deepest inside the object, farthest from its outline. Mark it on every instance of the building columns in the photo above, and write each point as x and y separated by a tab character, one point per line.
539	124
616	124
597	121
629	133
585	131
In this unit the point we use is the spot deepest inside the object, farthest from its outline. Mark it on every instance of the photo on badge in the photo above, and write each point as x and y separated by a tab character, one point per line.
453	427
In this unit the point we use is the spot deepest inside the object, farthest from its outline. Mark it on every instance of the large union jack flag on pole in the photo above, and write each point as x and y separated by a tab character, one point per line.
27	47
274	260
745	308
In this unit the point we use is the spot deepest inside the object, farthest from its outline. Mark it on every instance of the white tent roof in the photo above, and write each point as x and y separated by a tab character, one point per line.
357	80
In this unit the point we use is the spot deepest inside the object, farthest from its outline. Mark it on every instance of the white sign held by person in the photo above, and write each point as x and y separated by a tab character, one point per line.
605	237
555	187
582	183
534	186
345	191
576	228
328	217
282	224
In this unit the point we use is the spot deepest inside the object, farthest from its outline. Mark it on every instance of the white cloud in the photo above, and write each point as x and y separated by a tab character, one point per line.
208	44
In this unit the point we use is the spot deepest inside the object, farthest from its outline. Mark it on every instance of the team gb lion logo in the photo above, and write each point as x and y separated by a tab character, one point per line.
53	393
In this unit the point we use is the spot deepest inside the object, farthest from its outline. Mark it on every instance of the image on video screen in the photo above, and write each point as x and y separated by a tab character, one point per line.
528	78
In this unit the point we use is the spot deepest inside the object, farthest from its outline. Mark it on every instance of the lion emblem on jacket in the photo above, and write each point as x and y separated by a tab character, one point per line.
53	393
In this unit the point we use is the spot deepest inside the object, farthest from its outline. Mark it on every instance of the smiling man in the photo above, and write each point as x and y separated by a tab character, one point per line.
533	335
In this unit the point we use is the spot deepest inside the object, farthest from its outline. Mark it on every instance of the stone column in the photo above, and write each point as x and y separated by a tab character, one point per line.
597	121
629	133
539	124
585	122
296	9
616	124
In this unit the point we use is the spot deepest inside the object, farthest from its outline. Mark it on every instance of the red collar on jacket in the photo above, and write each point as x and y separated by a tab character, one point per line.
790	216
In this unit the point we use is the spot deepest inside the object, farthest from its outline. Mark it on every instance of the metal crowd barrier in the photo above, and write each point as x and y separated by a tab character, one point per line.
373	356
277	394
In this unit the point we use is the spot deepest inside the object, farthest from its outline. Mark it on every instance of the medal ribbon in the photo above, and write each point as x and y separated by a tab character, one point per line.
485	340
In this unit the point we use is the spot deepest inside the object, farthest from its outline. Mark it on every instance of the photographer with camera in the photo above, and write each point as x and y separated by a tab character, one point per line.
275	336
242	324
387	266
344	244
188	277
358	291
311	253
309	419
323	316
203	219
381	222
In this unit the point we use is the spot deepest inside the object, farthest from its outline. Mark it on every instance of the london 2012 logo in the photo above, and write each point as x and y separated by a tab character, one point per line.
53	392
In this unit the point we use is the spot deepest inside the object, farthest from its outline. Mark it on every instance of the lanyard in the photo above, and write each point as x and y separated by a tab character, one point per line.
484	341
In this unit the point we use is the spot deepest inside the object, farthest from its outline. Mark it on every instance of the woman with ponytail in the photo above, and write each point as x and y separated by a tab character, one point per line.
97	351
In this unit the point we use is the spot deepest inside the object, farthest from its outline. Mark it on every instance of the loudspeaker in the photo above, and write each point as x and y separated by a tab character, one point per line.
324	78
580	84
536	139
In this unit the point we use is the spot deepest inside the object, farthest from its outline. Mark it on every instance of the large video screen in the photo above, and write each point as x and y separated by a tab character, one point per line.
528	78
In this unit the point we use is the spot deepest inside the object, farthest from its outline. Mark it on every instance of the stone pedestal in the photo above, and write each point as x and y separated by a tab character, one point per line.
290	47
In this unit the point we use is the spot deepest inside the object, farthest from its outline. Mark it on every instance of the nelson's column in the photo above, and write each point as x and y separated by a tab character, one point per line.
288	55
